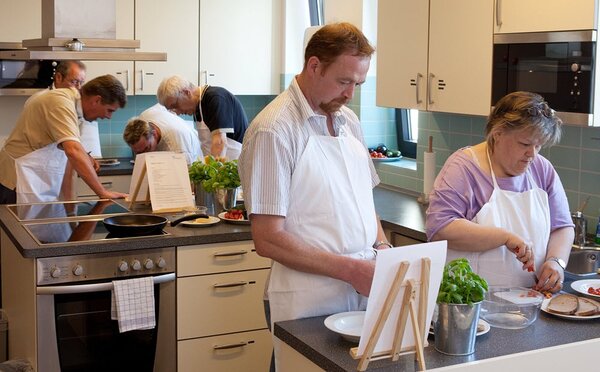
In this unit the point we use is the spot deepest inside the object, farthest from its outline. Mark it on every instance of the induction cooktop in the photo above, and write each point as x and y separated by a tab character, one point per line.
67	210
76	232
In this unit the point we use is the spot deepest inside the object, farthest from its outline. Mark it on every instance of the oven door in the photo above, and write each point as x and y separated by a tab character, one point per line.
562	72
76	332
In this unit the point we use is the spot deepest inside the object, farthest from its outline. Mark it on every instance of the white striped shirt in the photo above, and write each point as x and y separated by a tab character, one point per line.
274	144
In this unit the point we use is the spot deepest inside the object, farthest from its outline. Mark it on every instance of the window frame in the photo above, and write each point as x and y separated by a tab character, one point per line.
406	144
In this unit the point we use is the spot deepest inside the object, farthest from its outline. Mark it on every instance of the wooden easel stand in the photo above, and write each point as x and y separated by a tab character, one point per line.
417	317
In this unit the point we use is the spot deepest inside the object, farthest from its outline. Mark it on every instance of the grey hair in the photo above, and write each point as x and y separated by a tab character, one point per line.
173	87
137	129
522	111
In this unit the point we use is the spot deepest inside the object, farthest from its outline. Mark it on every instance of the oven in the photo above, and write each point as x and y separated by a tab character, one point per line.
73	291
75	330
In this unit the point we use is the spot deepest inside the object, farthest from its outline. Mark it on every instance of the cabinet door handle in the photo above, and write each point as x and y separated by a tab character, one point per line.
107	184
230	285
429	97
228	254
142	80
498	15
126	72
419	76
230	346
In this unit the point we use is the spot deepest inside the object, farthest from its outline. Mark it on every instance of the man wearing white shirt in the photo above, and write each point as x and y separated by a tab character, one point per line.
158	129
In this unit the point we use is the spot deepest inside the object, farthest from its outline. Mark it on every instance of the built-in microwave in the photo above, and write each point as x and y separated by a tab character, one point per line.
560	66
25	77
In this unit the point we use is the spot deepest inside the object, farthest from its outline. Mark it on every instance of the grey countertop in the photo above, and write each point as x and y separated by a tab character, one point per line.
398	211
124	167
330	352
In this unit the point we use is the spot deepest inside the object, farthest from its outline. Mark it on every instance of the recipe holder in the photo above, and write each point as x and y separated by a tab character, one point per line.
416	310
138	186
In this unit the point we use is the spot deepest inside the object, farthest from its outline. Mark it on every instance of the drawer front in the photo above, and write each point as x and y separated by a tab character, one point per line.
247	351
113	183
222	303
219	258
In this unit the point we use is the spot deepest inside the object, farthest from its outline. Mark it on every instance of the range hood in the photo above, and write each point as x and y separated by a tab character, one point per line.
91	22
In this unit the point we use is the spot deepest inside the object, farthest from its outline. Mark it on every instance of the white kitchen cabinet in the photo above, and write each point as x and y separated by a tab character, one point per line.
118	183
20	20
240	45
544	15
435	55
160	27
221	323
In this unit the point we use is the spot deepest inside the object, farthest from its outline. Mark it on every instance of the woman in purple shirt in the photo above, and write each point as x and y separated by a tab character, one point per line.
501	204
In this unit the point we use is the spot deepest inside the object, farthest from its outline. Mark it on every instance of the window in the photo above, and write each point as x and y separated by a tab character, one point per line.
315	8
407	129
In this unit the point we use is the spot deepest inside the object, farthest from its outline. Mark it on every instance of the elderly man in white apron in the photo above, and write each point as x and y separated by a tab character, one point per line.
220	118
308	179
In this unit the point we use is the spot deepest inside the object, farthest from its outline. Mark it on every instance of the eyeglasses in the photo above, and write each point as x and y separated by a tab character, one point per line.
174	106
76	83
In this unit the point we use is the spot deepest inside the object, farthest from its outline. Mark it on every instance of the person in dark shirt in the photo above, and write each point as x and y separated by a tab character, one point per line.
220	117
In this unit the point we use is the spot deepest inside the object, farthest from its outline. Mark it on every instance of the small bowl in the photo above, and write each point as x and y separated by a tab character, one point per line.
511	307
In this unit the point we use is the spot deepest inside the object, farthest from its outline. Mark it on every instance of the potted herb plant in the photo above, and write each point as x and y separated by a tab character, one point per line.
215	178
458	305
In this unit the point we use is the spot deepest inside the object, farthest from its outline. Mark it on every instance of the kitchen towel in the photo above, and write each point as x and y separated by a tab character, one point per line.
133	304
428	173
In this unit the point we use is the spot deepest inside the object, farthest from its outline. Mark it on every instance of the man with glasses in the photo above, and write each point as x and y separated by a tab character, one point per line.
46	134
220	117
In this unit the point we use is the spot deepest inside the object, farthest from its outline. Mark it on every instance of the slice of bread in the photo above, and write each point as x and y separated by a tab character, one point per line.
587	307
565	304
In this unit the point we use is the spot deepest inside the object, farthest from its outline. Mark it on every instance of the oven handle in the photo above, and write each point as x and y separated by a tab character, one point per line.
96	287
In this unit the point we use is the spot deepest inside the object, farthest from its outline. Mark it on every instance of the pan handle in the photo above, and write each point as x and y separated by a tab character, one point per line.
188	217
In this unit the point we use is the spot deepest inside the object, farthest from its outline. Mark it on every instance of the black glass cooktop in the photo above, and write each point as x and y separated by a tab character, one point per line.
77	231
71	210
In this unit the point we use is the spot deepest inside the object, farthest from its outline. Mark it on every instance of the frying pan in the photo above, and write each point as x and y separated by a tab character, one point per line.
134	224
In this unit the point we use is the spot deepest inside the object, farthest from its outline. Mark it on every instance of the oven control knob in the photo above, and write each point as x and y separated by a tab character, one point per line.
136	265
123	266
55	272
77	270
161	262
148	264
575	67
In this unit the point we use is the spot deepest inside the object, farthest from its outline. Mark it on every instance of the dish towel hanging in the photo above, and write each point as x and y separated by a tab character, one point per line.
132	304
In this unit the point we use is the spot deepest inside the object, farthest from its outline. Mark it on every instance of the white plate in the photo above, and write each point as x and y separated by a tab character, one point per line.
386	160
483	327
211	221
236	222
582	286
348	325
577	317
108	162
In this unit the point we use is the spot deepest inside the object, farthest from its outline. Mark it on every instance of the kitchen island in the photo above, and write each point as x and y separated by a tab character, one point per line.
549	344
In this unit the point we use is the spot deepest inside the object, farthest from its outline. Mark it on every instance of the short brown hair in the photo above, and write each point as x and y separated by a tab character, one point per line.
524	110
108	87
137	129
335	39
64	67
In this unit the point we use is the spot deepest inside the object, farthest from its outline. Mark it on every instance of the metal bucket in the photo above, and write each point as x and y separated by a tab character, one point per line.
455	328
206	199
226	199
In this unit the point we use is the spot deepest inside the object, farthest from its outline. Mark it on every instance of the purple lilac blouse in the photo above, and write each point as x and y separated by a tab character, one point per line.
462	188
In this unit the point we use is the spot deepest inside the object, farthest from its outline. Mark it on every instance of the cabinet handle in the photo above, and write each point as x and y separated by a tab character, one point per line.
230	346
126	72
107	184
228	254
429	99
142	80
498	15
419	76
229	285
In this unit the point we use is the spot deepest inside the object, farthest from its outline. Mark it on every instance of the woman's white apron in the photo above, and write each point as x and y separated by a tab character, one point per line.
526	214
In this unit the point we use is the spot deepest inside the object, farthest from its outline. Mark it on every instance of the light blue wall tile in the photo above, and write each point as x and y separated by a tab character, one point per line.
567	157
569	178
571	136
589	183
590	161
